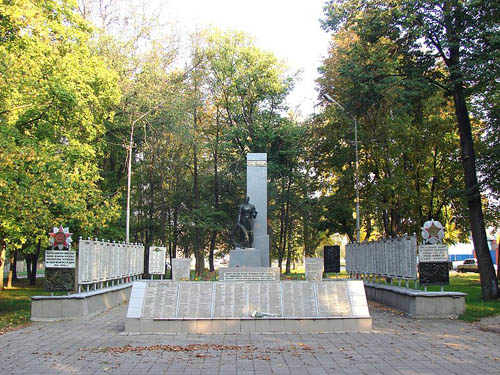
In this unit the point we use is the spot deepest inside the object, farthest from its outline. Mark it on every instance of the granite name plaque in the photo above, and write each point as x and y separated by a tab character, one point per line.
230	300
249	274
332	258
298	299
164	300
434	273
157	260
160	301
433	253
265	298
60	259
195	300
333	300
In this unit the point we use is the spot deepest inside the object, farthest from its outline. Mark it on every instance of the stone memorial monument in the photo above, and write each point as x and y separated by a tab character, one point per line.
433	255
249	296
250	236
60	261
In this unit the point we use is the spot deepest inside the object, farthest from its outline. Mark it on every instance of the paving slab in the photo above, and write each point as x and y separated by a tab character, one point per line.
397	345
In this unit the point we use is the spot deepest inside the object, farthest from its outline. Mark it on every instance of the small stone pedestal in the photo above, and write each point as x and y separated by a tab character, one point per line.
181	269
314	268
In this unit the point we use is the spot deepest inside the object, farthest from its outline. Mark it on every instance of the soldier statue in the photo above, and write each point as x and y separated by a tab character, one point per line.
244	226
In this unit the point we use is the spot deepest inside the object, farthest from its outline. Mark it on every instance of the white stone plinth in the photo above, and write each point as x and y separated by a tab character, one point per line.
181	268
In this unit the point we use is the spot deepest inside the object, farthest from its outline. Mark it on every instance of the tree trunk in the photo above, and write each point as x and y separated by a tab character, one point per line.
489	286
289	251
3	250
12	262
453	23
34	262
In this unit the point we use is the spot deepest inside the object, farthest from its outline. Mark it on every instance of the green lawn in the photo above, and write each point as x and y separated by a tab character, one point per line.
15	303
469	283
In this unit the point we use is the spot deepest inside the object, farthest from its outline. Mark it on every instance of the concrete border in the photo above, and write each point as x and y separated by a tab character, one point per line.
416	303
248	325
48	308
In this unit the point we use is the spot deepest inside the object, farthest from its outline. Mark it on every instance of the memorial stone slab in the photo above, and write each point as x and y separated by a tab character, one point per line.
230	300
181	269
195	299
265	297
333	299
332	258
298	299
314	268
157	260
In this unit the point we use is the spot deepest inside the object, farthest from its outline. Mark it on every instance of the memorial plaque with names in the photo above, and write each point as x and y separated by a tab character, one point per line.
332	258
157	260
298	299
265	297
432	253
230	300
333	299
434	273
60	259
195	300
160	301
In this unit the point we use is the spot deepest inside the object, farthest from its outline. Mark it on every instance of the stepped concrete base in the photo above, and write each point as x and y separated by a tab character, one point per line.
248	325
162	306
416	303
47	308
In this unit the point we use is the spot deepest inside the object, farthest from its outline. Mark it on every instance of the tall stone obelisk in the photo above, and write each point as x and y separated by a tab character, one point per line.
257	191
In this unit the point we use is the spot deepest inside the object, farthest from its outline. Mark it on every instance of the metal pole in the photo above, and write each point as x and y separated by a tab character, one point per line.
356	174
357	178
129	176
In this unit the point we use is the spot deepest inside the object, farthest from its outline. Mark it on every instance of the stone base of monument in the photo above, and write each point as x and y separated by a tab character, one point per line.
249	257
416	303
163	306
48	308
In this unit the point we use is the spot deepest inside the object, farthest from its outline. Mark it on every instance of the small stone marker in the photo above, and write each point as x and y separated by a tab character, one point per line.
433	255
60	263
332	258
314	268
157	260
181	269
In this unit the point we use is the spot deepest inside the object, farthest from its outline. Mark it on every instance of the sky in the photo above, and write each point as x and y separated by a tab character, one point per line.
288	28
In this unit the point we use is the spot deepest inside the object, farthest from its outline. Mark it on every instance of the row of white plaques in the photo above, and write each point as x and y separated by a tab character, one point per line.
395	257
291	299
102	261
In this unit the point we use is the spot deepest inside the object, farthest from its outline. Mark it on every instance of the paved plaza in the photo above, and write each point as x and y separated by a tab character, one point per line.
397	345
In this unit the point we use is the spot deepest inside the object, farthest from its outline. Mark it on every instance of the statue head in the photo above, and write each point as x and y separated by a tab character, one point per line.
247	199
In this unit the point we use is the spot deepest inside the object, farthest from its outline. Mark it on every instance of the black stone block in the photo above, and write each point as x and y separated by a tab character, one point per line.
332	258
434	273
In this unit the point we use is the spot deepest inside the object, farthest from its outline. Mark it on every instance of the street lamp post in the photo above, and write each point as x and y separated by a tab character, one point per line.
356	172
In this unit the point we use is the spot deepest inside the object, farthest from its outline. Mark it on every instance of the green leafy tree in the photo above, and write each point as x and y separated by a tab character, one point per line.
457	42
56	96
